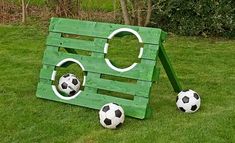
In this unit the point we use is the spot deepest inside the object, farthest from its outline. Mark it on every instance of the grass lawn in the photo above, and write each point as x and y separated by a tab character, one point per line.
204	65
99	5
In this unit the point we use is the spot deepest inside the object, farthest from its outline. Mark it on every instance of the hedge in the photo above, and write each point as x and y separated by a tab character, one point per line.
195	17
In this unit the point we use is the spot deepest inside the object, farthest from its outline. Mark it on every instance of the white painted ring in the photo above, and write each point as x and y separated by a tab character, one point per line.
126	30
54	75
106	46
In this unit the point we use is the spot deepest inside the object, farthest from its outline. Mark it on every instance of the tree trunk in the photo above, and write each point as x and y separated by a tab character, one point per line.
114	9
139	11
149	12
23	11
125	11
78	7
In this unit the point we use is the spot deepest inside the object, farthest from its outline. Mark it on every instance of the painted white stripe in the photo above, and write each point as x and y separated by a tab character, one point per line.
53	75
126	30
106	48
141	52
63	97
84	81
119	69
72	60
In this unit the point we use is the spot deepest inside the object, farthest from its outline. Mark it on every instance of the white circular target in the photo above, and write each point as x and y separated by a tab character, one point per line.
107	46
54	75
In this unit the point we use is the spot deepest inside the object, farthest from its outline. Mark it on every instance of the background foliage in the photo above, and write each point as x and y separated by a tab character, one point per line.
195	17
182	17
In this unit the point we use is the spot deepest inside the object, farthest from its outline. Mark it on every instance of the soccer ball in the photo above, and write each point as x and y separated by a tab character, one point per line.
111	116
188	101
69	84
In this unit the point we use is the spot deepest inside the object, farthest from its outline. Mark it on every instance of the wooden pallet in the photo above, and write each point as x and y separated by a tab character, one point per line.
145	72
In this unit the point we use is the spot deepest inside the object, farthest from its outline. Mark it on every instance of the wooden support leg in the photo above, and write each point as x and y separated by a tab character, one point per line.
169	69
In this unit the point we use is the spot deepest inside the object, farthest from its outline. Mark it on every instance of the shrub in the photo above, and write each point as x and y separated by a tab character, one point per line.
196	17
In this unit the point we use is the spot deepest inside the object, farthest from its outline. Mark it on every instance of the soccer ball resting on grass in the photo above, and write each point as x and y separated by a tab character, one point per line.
111	115
69	84
188	101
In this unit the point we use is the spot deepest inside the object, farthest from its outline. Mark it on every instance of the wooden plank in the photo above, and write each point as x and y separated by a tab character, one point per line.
150	52
90	88
146	84
156	74
169	70
102	30
95	101
142	71
95	75
46	72
77	44
141	100
58	36
116	86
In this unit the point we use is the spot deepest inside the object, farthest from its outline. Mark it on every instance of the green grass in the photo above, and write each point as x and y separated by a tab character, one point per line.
31	2
204	65
98	5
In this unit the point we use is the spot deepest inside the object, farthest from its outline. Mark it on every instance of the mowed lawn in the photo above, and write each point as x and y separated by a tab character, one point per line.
202	64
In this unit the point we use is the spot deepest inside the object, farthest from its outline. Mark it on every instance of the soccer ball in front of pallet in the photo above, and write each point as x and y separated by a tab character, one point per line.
111	116
69	84
188	101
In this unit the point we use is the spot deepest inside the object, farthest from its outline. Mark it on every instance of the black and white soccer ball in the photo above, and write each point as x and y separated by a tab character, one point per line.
69	84
111	116
188	101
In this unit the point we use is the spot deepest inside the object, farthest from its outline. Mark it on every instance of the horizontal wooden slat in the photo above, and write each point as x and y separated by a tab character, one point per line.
142	71
102	30
96	101
116	86
93	46
46	72
150	52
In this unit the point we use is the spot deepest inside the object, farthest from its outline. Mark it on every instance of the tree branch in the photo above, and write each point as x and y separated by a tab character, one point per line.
23	11
125	11
149	12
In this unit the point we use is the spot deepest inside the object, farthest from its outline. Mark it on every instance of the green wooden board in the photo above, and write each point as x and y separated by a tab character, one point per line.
144	73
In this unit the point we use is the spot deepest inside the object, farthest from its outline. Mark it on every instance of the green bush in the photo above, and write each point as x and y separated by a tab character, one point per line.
196	17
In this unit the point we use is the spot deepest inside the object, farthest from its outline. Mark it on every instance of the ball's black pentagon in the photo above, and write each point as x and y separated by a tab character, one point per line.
194	107
182	109
73	92
185	99
118	113
177	98
185	90
107	121
75	81
195	95
105	108
64	85
66	75
118	125
116	104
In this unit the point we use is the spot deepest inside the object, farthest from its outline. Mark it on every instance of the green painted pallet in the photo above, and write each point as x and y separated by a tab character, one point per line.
145	72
